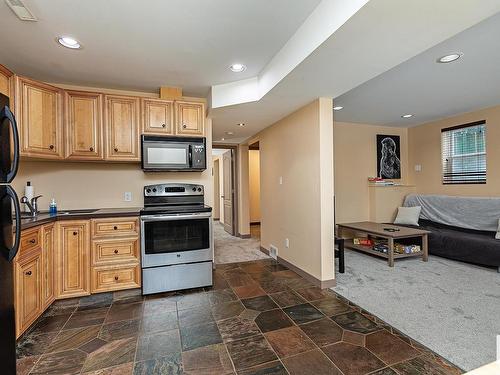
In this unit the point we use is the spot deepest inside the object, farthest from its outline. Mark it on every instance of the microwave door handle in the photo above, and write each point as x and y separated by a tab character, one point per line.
12	251
190	155
6	114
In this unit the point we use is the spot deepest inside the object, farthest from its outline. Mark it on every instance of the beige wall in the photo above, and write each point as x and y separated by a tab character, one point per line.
217	185
101	185
425	149
254	184
243	200
299	149
355	161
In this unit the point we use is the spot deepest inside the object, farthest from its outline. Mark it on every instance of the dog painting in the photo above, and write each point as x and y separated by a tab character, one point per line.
388	156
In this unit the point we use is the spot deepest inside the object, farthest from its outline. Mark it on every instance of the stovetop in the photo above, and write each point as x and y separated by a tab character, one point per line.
173	210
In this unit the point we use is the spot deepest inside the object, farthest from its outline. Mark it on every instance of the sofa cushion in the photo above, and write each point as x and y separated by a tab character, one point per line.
408	215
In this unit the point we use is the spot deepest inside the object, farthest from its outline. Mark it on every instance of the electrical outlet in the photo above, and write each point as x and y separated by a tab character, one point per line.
287	243
127	196
418	168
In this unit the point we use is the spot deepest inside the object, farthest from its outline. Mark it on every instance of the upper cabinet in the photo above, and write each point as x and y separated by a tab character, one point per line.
83	123
39	116
158	116
121	119
6	82
189	118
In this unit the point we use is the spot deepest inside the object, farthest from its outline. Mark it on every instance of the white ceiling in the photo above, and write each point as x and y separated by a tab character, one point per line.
429	90
142	45
380	36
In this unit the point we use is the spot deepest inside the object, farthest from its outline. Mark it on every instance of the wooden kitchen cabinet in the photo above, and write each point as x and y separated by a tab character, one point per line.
7	83
39	112
28	290
189	118
83	124
158	116
121	121
48	258
73	261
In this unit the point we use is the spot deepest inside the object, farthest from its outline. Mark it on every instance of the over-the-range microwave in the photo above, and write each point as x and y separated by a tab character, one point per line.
162	153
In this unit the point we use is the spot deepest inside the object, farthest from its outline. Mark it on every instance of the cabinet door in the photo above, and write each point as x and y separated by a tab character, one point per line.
74	258
29	304
48	257
189	118
122	128
6	83
39	112
158	116
83	111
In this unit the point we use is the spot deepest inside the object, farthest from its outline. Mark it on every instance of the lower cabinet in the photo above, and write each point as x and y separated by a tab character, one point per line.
73	261
28	290
109	278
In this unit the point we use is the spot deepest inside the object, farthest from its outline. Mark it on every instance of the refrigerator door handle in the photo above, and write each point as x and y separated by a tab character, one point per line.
17	236
6	114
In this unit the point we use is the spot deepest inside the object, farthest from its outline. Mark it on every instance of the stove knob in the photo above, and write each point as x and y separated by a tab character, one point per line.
194	189
199	190
154	190
148	191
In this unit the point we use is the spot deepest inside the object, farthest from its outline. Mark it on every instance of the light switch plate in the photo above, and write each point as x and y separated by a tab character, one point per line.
418	168
127	196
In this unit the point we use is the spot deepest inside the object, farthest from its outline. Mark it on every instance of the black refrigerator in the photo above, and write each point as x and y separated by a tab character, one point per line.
10	233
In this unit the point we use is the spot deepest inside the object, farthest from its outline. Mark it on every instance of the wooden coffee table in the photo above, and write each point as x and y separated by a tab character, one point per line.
379	230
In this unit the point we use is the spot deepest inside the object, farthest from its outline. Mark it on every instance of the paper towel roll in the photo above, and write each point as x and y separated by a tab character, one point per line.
29	192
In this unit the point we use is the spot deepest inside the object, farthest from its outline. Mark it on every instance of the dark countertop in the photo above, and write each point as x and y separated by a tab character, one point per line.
45	217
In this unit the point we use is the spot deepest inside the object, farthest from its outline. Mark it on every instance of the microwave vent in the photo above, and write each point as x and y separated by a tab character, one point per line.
21	11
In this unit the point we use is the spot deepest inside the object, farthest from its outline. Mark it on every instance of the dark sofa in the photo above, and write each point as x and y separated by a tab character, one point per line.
459	243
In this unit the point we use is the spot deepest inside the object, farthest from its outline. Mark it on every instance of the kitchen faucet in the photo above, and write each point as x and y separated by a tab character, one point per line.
32	205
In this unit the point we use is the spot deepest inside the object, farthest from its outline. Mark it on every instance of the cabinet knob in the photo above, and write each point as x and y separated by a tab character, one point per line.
116	278
28	273
163	125
32	240
116	251
115	227
184	126
116	149
75	233
51	147
91	148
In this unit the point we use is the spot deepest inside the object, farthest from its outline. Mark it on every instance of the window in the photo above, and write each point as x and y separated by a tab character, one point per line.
464	154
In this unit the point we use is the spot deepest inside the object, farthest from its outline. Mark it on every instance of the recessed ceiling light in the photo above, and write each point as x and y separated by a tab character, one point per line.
449	58
238	68
407	116
69	42
223	139
337	108
229	133
241	124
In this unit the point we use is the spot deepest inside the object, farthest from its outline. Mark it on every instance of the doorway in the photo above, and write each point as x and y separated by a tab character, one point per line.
225	188
254	189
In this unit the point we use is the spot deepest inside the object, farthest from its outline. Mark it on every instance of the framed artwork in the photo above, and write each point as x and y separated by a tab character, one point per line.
388	156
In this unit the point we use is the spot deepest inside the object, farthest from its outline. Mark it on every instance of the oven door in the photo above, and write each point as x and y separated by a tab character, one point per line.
164	156
176	239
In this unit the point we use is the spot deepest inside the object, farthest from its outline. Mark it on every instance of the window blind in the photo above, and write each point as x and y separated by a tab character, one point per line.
464	154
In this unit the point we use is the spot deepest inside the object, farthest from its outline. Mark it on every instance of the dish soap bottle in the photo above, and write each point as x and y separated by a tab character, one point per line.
53	207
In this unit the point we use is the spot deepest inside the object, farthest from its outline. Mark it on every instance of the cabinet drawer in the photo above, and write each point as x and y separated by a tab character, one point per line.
115	227
30	239
106	279
115	251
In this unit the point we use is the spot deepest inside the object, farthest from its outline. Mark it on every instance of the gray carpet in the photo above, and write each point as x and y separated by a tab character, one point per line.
229	249
451	307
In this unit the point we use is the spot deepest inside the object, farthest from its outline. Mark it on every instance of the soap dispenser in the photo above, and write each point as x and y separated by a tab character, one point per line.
53	207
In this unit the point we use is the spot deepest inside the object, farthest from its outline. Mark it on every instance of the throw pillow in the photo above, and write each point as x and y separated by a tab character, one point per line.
408	215
498	231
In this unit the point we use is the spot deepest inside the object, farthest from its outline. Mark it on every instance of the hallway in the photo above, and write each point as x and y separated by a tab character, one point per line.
230	249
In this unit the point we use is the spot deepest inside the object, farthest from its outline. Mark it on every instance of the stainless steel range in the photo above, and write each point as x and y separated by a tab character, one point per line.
176	238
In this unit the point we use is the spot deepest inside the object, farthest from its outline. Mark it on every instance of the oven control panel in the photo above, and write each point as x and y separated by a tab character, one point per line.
165	190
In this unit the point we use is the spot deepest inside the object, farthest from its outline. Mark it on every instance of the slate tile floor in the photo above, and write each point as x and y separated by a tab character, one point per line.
259	318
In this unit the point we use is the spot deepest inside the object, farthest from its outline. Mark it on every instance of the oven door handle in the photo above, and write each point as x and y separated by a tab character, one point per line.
176	217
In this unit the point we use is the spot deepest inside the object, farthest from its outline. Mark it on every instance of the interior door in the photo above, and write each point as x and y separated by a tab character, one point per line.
227	191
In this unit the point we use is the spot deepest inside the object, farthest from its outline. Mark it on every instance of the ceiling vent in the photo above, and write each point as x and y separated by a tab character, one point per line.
21	11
